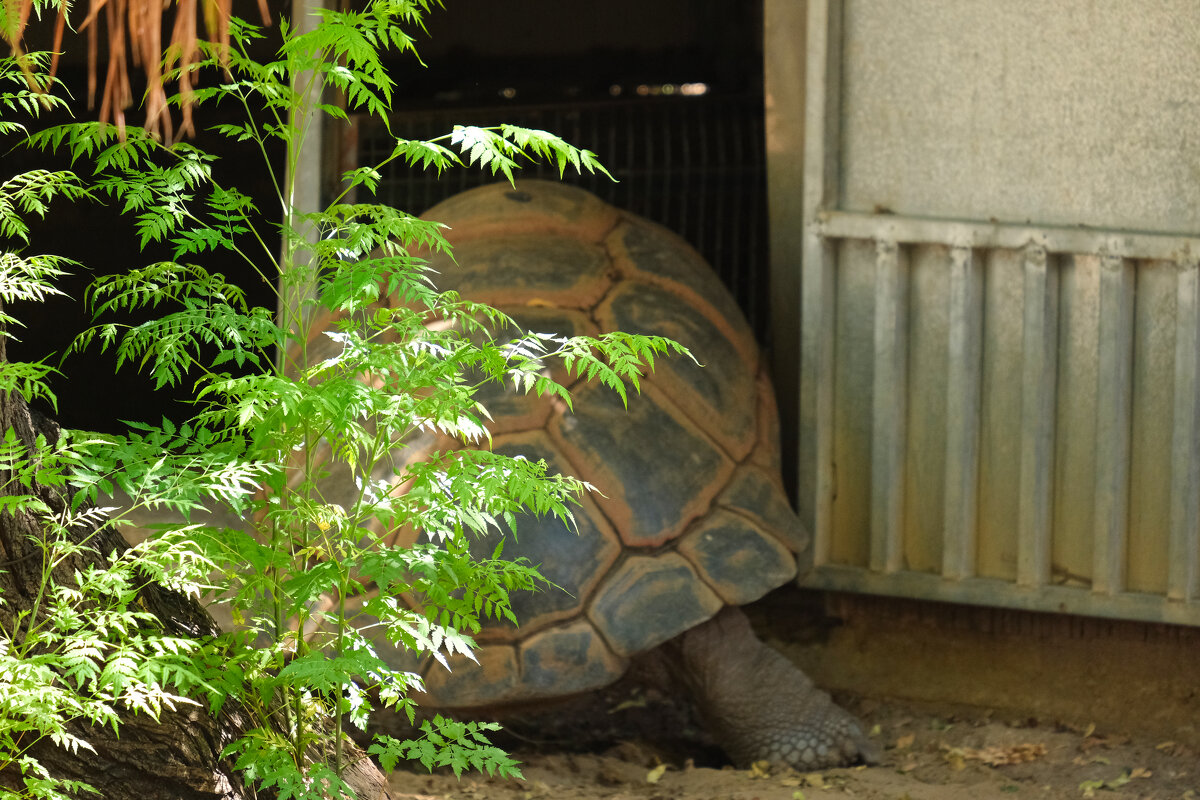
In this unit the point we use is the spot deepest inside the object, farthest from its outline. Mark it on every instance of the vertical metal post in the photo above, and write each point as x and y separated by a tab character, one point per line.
1038	377
963	381
890	408
783	99
1113	421
1184	542
818	276
817	384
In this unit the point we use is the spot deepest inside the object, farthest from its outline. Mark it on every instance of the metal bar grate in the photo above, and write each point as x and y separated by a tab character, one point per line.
692	164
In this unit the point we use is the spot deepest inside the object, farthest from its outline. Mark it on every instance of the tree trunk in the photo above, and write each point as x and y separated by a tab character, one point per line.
175	758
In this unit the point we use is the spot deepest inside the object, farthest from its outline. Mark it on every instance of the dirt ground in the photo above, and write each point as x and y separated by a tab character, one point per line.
929	754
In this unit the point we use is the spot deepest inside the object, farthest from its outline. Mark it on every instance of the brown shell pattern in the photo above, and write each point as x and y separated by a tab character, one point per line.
692	515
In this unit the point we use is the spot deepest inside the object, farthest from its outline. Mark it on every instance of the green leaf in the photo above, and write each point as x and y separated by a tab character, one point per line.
294	500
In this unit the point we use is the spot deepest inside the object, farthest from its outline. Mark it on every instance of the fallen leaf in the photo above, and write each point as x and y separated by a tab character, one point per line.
1080	761
905	742
876	730
956	758
1183	750
1173	748
655	774
1089	787
1005	756
1089	730
797	795
815	780
1118	781
637	702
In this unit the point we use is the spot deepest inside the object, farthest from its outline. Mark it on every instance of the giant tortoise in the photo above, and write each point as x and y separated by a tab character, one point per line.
692	521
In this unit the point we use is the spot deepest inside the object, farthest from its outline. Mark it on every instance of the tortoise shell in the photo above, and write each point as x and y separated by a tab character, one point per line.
691	516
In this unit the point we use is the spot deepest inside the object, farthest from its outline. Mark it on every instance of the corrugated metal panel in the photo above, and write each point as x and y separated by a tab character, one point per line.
1010	424
995	413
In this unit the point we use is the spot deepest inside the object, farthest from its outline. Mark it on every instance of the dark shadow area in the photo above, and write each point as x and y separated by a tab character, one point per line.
668	95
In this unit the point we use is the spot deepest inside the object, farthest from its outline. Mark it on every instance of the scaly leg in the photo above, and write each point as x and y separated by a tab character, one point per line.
758	705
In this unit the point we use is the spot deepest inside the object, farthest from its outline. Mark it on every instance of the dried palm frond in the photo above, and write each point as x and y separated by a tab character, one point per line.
134	35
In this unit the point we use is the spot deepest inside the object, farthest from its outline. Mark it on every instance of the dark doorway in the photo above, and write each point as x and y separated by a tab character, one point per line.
667	93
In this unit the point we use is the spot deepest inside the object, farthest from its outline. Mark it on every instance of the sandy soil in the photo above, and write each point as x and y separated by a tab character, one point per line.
929	754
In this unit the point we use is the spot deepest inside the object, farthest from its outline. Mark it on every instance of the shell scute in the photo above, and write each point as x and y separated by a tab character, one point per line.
558	271
719	392
644	251
565	660
533	208
466	683
650	599
573	561
513	411
657	469
737	559
754	494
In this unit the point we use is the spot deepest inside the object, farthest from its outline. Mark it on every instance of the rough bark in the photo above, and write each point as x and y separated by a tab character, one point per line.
174	758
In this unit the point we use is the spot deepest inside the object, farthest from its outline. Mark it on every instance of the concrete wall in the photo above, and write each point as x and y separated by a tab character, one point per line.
1064	113
1122	677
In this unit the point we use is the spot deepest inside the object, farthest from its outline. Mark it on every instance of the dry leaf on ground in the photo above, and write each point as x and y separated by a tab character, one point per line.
1005	756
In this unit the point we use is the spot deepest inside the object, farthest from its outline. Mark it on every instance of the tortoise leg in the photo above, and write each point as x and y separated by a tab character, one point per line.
758	705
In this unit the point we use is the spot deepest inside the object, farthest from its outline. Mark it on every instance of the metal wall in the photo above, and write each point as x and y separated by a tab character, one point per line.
999	338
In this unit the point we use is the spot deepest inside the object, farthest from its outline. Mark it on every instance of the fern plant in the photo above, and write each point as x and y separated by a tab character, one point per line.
79	650
312	577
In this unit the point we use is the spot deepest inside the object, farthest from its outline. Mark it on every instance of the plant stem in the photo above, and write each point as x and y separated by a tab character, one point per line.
337	708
